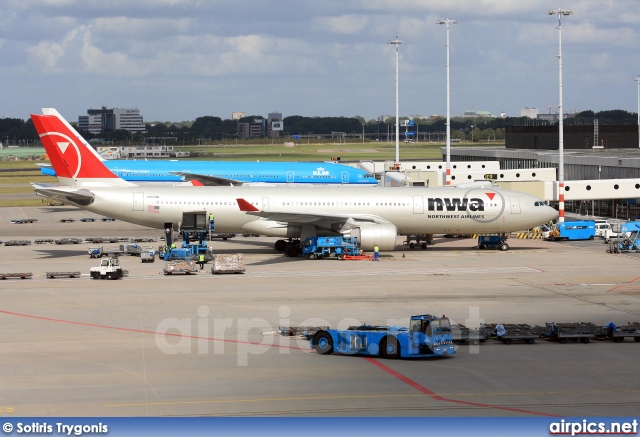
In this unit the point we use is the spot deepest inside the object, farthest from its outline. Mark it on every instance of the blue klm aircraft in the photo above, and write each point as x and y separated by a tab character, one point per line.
227	173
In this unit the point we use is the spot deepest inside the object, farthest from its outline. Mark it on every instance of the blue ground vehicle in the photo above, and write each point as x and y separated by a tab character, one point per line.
190	250
575	230
324	247
194	229
427	336
493	242
627	240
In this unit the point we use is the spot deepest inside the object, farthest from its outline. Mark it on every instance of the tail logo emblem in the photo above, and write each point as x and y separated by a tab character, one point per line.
63	146
70	161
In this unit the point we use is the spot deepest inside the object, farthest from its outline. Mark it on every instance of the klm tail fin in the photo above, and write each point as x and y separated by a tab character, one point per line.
72	161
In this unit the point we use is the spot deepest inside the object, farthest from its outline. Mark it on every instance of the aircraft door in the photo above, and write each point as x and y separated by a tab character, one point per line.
515	205
265	204
290	177
138	201
345	177
418	205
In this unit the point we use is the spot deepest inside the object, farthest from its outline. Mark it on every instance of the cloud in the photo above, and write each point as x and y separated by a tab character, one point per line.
342	24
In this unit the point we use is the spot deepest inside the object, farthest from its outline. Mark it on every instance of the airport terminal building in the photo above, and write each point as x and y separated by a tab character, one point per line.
616	156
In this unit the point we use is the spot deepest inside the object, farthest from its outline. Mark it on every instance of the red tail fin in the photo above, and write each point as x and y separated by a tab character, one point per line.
73	163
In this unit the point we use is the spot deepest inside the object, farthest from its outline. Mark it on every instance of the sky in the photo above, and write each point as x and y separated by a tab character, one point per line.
176	60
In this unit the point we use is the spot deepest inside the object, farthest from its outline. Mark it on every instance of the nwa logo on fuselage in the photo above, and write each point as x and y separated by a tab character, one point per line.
454	204
321	172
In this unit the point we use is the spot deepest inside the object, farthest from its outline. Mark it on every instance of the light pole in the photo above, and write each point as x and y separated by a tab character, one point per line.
637	79
560	13
472	135
362	133
448	167
397	43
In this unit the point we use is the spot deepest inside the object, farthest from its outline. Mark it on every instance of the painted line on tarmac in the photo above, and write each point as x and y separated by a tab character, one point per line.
396	272
433	395
145	331
624	284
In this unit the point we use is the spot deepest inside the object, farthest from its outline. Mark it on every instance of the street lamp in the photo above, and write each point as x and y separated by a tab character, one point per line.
448	167
637	79
472	135
362	133
397	43
560	13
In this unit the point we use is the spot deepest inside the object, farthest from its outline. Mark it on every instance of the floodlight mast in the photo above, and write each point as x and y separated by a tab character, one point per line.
560	13
448	125
397	43
637	79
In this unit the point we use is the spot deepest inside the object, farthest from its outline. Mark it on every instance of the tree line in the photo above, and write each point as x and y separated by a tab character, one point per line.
15	131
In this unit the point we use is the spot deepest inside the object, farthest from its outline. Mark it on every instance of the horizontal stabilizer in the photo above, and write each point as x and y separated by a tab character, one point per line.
81	197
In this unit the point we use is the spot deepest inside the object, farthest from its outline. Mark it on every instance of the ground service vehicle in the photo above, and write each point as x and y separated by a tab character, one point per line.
427	336
109	269
493	242
148	254
22	221
575	230
324	247
602	227
627	240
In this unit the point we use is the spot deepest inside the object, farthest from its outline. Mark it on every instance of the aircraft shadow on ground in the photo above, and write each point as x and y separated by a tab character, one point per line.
52	253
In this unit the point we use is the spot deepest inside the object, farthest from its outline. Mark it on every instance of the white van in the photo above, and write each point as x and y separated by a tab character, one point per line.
603	228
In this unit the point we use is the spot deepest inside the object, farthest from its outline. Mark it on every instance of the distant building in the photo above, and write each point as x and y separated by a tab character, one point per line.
574	137
275	116
529	112
107	120
137	152
473	113
258	128
238	115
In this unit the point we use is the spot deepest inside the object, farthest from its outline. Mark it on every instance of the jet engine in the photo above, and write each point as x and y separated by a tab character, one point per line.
382	235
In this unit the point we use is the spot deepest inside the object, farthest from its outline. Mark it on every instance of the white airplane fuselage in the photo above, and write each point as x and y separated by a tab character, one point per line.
412	210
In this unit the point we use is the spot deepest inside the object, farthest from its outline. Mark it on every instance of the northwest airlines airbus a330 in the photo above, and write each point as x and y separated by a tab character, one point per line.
376	215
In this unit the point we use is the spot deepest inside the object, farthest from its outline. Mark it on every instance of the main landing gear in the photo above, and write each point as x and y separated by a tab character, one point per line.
290	247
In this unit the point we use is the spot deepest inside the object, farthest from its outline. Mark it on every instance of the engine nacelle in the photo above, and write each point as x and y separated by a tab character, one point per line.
382	235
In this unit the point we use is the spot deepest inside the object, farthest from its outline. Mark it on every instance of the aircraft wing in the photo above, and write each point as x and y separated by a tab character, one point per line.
78	196
211	181
303	218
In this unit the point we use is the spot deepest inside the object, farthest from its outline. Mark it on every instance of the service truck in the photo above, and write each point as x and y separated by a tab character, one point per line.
109	269
574	230
427	336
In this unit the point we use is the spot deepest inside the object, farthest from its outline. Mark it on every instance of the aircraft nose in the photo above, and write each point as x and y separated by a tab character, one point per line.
550	213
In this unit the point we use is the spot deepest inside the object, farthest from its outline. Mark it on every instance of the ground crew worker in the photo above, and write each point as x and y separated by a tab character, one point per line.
201	261
376	253
211	223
